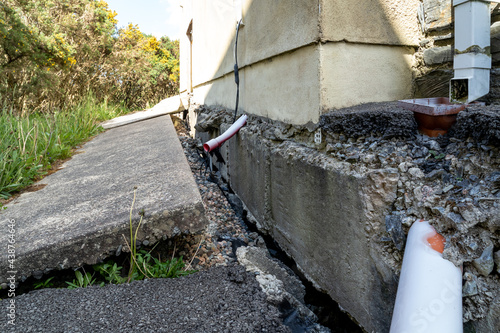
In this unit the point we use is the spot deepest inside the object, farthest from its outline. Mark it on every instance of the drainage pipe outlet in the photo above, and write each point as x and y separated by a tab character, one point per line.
218	141
429	298
472	59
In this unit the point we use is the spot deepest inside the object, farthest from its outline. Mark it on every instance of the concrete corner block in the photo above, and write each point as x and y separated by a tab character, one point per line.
325	217
353	74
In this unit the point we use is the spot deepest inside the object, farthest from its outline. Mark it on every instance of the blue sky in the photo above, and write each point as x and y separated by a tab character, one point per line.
156	17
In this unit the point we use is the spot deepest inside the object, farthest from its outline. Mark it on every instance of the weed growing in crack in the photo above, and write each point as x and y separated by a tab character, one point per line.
44	284
111	272
436	155
155	268
83	280
143	265
133	242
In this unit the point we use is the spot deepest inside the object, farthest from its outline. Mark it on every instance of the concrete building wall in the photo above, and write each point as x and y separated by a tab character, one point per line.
185	49
299	58
319	211
291	83
387	22
269	28
213	34
342	210
381	74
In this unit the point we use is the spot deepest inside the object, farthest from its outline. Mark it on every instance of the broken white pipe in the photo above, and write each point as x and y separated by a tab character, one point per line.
472	56
218	141
429	297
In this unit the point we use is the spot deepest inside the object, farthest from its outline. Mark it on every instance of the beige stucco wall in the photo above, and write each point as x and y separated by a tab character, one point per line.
275	27
354	74
288	90
220	92
184	47
298	58
269	28
392	22
213	34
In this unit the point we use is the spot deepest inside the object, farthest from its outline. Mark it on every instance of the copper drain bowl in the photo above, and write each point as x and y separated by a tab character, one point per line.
434	125
434	116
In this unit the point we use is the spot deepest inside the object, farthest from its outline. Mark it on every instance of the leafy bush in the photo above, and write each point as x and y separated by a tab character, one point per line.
53	53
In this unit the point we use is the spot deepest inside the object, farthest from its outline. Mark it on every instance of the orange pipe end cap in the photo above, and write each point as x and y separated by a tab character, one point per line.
437	242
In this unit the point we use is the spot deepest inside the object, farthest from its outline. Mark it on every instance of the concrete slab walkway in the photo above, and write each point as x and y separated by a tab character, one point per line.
83	210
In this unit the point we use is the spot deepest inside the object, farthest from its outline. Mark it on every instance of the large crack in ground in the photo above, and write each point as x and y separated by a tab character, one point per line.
229	229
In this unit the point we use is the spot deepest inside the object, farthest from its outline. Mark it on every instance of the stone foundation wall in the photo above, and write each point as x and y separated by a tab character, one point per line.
341	209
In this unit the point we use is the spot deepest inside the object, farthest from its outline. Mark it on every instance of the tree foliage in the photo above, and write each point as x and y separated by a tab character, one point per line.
54	53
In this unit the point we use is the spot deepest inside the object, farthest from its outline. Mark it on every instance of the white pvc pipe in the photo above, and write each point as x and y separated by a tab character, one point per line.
429	297
215	143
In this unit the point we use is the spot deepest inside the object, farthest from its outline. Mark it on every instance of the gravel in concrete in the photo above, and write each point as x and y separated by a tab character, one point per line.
481	123
385	119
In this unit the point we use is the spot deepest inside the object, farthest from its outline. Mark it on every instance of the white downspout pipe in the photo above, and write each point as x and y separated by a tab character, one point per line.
472	59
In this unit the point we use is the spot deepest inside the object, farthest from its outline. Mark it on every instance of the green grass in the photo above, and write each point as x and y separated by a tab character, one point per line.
142	264
152	267
148	267
83	281
30	144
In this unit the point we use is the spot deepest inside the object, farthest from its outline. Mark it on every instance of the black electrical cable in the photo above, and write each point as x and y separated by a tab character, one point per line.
205	158
236	71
